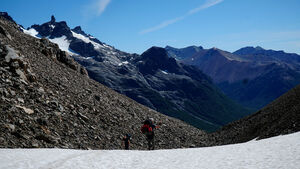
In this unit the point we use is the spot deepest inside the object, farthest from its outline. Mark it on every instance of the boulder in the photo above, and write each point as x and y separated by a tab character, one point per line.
26	110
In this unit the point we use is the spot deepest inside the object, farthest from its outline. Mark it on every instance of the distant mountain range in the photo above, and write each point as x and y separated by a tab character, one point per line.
251	76
153	79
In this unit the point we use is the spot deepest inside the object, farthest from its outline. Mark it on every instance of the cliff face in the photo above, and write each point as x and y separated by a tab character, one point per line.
47	100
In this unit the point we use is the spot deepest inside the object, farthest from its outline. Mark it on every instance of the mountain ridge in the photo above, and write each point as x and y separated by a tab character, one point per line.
244	74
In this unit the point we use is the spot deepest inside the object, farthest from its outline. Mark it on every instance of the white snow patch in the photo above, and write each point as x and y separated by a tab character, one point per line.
87	58
63	43
31	32
277	152
52	26
87	40
123	63
108	46
164	72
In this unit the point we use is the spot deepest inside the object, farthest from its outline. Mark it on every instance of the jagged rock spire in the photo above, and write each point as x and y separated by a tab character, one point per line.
52	19
77	28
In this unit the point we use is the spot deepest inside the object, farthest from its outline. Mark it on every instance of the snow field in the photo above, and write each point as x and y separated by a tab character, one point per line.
31	32
277	152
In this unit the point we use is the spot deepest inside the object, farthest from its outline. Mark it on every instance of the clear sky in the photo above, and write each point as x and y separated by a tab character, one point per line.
136	25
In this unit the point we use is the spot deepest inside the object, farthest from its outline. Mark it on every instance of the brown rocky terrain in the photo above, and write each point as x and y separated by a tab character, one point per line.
282	116
47	100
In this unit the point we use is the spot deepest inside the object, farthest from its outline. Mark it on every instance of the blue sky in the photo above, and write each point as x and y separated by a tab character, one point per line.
136	25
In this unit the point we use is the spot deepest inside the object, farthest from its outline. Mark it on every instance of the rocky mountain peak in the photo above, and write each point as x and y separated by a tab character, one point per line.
200	47
213	51
157	58
249	50
52	19
156	53
53	29
78	30
6	16
183	53
259	48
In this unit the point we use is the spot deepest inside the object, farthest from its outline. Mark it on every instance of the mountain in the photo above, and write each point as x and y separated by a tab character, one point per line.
152	79
261	55
48	101
250	76
6	16
183	52
277	118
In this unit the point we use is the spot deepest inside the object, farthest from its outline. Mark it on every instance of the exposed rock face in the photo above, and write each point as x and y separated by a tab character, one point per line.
53	29
6	16
183	53
282	116
46	101
251	76
52	19
84	49
155	59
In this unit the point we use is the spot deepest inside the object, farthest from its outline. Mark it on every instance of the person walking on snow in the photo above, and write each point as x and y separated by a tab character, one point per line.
126	141
147	129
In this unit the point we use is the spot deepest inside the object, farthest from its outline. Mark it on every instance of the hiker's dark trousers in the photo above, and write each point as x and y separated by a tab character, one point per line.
150	143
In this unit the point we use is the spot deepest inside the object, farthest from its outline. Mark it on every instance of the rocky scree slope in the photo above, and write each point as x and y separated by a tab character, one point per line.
152	79
282	116
250	76
47	100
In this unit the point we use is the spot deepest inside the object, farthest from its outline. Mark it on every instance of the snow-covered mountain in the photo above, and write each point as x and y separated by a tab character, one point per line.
276	153
152	79
76	42
251	76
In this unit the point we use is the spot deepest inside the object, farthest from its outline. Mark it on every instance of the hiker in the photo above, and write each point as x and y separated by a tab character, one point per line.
148	129
126	141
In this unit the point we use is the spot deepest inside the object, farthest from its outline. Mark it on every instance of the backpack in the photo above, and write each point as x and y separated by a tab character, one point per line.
146	128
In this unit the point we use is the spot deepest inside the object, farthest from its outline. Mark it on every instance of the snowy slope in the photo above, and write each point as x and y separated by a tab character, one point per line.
31	32
276	152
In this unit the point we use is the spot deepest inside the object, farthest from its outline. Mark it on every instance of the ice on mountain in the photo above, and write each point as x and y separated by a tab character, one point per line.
62	43
164	72
92	37
123	63
108	46
31	32
87	40
87	58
